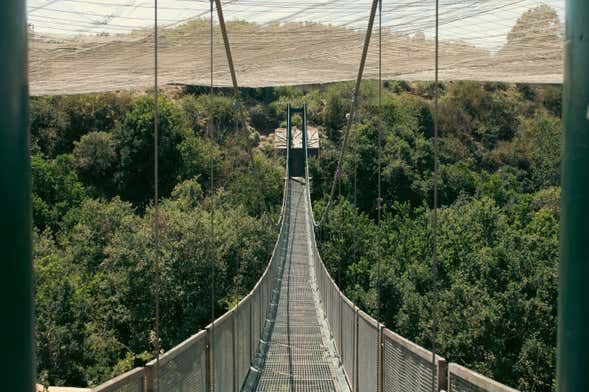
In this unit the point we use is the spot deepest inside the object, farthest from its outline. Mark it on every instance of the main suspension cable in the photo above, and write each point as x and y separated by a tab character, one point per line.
352	112
156	219
212	255
435	212
379	158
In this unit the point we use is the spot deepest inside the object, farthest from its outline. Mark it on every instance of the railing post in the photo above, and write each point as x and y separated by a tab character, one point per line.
253	340
356	386
235	349
380	367
341	337
209	363
16	338
573	306
442	374
149	378
261	317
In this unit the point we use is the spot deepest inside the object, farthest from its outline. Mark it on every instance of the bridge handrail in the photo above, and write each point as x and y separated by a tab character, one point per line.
375	375
461	379
387	370
143	379
135	377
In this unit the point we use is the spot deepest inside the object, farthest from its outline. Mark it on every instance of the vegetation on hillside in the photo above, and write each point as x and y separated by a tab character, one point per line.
498	243
92	166
498	222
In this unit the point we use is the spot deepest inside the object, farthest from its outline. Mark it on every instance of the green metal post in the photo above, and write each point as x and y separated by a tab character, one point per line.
16	337
573	328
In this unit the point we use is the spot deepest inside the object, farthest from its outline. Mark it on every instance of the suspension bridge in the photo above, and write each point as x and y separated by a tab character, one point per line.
296	330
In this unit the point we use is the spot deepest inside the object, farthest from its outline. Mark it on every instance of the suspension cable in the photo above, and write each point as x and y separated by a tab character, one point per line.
435	214
379	158
212	255
352	113
156	225
236	93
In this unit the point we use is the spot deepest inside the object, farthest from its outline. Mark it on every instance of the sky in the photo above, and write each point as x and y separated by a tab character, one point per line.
484	23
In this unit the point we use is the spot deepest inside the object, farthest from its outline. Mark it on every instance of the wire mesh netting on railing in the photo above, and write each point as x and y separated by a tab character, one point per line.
407	366
184	367
243	344
368	353
375	359
348	348
223	353
219	357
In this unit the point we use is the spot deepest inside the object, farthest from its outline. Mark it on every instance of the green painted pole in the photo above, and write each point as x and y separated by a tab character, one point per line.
573	328
16	337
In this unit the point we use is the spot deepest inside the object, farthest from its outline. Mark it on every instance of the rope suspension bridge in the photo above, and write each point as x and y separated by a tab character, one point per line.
296	330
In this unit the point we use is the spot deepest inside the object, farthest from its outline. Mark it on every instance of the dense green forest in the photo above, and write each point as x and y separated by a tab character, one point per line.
92	167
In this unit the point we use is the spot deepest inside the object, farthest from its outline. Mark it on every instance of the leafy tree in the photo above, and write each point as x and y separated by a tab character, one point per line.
56	189
95	159
135	143
197	154
497	245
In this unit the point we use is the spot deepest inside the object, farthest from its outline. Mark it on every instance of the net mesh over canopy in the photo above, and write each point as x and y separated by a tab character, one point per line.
81	46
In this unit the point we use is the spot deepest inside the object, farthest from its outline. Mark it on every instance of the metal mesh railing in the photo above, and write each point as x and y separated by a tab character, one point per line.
374	359
461	379
184	367
368	353
228	353
243	341
219	357
223	353
407	366
347	350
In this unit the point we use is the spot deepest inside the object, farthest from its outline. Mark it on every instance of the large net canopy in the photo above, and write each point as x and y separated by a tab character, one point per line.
80	46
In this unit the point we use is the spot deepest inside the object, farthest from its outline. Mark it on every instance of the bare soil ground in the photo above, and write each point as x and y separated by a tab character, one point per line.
287	54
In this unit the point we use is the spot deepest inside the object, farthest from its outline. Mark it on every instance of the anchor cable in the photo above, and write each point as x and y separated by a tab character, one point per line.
212	255
352	113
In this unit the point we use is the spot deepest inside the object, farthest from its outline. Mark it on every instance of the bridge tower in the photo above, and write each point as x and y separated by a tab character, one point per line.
296	141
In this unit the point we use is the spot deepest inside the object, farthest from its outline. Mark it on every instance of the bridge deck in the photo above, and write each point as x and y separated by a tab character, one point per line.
299	358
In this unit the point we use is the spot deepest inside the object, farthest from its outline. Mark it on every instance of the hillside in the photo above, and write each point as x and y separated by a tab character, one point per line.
93	215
